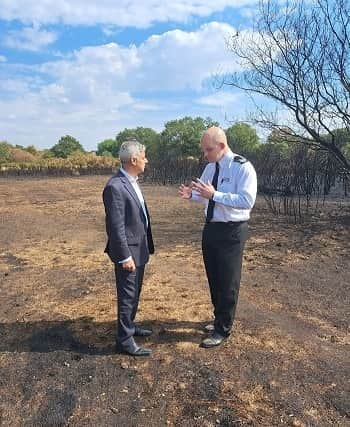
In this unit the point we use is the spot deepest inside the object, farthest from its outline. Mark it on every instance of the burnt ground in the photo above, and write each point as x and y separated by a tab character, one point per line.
286	363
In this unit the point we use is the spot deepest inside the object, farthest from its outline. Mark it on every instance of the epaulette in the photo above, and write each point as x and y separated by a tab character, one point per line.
240	159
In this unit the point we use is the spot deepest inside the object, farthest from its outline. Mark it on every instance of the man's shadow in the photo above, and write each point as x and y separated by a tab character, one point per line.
86	336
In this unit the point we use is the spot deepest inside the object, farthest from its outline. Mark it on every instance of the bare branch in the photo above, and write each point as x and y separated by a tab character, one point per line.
299	56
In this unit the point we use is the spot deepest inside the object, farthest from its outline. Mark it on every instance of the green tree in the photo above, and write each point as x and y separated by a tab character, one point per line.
146	136
31	149
280	140
243	139
341	138
107	146
180	138
5	152
106	154
47	154
66	146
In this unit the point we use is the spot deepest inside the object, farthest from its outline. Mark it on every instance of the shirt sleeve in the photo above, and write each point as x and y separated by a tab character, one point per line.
245	196
125	260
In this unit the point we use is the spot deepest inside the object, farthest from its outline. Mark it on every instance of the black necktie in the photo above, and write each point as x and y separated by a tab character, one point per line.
211	204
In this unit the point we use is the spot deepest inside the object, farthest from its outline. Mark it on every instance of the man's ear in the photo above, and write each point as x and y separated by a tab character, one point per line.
133	161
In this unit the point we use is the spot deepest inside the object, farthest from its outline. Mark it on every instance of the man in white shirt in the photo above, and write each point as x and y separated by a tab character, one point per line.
227	188
129	242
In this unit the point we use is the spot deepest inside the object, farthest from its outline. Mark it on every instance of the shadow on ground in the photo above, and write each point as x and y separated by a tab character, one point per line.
84	335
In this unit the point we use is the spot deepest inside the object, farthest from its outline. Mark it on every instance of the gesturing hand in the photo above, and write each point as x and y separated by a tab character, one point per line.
185	192
204	190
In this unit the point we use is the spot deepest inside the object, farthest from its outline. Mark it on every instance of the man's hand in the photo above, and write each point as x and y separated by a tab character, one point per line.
204	190
129	265
185	192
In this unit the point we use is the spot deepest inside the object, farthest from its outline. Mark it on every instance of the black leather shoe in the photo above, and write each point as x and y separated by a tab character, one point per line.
212	341
140	332
209	328
139	351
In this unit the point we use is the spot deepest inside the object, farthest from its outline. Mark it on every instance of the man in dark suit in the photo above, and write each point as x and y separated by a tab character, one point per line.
129	242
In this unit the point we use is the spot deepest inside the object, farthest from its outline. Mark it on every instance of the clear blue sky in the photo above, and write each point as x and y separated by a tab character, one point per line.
90	69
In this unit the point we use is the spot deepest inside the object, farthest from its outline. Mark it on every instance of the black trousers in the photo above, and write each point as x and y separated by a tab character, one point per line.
129	285
222	247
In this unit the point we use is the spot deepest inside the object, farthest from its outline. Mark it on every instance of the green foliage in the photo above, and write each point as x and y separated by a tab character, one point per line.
278	151
66	146
5	152
106	154
243	139
341	137
180	138
32	150
107	146
47	154
284	136
146	136
287	142
279	142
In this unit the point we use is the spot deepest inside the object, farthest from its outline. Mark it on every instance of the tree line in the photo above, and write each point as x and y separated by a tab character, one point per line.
179	139
65	147
294	178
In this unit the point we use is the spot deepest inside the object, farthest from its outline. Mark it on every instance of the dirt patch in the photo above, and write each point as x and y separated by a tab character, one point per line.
286	362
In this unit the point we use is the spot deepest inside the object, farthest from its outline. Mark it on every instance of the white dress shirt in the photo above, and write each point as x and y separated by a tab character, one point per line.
236	190
135	185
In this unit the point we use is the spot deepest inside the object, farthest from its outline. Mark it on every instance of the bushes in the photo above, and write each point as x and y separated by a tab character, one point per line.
5	152
77	164
8	153
22	156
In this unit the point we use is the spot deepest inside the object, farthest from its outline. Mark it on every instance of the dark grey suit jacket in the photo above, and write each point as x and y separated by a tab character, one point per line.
126	226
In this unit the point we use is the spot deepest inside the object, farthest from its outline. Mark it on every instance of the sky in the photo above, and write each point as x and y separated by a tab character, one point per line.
90	69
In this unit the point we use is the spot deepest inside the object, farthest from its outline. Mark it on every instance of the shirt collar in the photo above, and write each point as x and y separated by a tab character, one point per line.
225	159
131	178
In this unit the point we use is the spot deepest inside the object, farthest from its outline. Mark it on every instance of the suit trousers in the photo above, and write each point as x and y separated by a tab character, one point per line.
129	284
222	247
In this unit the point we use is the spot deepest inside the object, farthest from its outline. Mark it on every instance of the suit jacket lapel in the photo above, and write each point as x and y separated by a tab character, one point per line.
130	188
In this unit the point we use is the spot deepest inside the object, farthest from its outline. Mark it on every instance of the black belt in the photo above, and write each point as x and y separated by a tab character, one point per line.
226	222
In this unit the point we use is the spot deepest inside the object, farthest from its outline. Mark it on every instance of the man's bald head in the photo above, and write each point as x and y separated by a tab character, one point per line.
214	144
215	135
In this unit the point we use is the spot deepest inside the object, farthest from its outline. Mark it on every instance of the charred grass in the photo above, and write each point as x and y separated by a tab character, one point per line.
286	363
